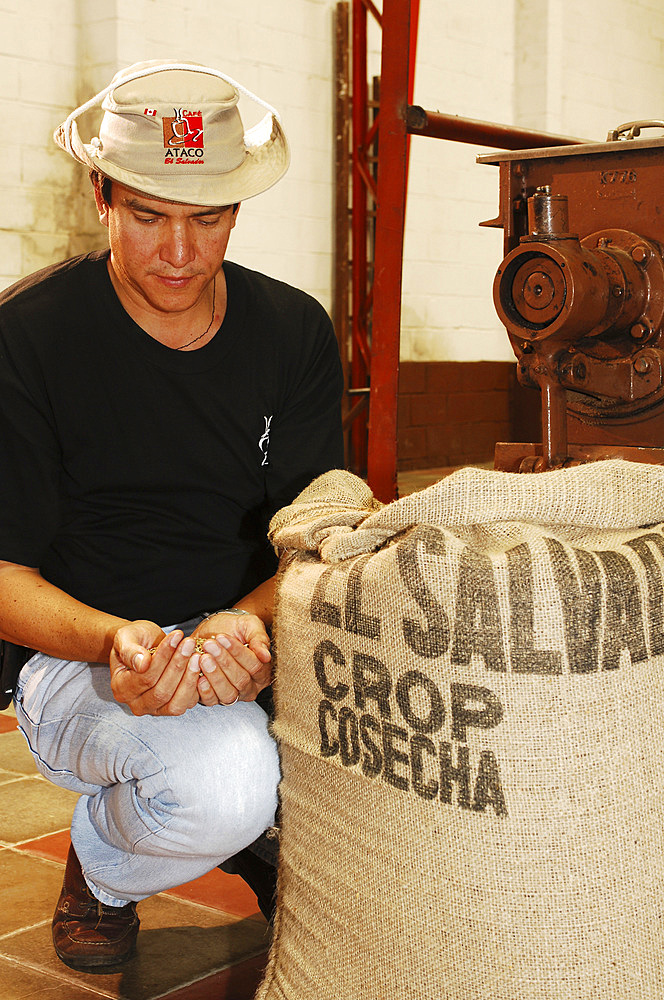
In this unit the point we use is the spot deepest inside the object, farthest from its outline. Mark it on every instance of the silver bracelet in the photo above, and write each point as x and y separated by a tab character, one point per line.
228	611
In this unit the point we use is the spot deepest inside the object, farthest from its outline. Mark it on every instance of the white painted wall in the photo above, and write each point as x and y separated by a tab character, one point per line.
54	54
556	65
560	66
465	67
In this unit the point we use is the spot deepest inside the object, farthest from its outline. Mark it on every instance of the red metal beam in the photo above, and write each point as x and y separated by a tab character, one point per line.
359	365
372	9
390	219
363	171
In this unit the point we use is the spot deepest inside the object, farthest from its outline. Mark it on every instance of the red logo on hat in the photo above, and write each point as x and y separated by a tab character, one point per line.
184	130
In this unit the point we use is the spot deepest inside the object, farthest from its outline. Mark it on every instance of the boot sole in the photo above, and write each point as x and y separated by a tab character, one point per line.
94	963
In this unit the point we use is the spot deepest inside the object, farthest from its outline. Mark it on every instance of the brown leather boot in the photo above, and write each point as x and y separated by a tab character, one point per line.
88	935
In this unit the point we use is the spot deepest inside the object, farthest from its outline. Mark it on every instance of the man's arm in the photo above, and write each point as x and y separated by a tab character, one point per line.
36	614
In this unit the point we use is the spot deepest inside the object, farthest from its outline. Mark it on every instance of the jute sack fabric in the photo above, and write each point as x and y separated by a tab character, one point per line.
469	703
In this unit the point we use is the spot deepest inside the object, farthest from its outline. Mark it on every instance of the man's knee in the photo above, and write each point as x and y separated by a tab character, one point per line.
227	796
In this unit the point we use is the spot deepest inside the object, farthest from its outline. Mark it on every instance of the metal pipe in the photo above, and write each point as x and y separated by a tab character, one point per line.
554	423
440	126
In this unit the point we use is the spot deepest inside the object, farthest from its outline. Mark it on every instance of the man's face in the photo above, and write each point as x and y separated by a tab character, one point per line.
164	256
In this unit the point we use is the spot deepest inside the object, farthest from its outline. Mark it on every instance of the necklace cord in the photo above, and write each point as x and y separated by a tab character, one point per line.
207	329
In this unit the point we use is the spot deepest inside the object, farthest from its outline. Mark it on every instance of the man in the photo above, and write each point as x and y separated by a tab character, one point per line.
157	404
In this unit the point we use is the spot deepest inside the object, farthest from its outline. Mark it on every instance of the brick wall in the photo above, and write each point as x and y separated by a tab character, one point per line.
452	413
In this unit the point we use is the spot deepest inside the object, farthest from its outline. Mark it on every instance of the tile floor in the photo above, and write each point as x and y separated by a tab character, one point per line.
203	941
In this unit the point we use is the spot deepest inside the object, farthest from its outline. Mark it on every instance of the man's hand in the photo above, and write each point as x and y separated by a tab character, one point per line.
162	683
236	661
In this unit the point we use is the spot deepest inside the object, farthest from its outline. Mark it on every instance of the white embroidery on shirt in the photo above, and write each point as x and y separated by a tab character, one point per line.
264	440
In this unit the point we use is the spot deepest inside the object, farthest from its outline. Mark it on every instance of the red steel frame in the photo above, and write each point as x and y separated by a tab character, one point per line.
365	196
396	81
376	304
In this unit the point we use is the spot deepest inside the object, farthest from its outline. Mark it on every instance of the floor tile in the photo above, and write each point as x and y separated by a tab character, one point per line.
54	846
30	888
240	982
179	943
225	892
32	807
21	983
14	754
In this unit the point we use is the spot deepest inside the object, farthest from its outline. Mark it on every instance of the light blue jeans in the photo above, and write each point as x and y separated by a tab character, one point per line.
163	799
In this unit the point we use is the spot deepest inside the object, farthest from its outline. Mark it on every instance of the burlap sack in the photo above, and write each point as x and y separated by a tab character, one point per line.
469	704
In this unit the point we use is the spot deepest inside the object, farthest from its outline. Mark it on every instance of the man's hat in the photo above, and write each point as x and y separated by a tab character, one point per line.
173	131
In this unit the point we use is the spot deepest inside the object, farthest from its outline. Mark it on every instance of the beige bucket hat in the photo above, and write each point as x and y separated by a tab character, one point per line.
172	130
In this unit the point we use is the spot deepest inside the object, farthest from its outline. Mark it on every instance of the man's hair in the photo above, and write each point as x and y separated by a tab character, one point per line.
103	184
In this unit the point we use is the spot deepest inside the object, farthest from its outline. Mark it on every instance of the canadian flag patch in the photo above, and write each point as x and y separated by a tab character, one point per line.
151	112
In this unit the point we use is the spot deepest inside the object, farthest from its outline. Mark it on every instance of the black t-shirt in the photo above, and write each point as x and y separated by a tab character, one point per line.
138	478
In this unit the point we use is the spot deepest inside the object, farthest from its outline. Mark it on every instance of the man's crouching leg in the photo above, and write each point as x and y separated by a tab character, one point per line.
196	791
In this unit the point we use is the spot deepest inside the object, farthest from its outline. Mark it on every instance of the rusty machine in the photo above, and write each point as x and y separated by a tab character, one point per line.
581	294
